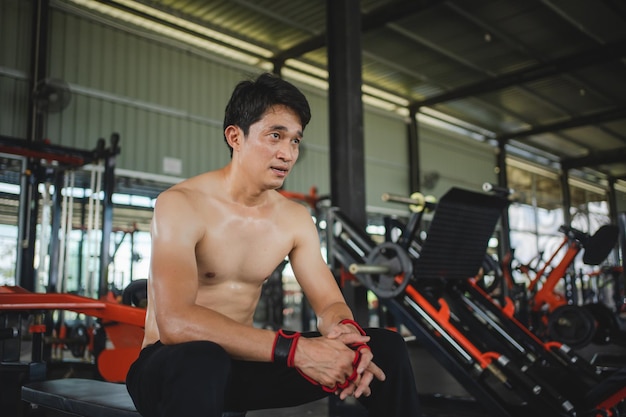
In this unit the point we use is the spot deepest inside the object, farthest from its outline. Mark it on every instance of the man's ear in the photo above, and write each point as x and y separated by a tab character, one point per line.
234	136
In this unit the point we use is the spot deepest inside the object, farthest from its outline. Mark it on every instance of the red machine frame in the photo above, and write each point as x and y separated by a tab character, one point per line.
123	324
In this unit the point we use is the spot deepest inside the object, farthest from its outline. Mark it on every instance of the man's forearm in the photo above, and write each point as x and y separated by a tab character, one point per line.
332	315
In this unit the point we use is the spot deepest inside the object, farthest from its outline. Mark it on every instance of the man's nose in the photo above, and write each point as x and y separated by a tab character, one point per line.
287	152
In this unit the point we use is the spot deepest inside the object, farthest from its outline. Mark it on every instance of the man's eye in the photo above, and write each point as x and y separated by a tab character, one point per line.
296	141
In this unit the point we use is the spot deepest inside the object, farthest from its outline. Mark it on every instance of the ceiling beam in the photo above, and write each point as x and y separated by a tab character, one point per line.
369	21
595	118
609	52
597	158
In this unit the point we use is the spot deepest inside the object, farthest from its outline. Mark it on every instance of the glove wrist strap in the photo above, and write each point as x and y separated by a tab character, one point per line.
284	349
355	324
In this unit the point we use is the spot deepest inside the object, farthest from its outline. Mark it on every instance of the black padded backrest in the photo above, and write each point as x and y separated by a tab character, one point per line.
598	246
458	236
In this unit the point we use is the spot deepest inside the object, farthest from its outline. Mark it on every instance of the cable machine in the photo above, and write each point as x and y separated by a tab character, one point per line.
47	195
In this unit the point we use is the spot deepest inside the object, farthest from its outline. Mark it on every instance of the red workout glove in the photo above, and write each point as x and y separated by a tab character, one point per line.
284	351
357	347
284	348
352	377
355	324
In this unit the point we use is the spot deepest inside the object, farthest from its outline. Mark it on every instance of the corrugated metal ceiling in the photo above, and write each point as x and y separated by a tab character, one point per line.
547	76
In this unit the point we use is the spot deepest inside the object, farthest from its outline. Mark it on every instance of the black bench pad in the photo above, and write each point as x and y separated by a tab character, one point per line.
85	397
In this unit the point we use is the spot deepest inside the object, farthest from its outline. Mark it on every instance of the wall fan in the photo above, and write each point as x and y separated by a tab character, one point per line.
51	95
430	179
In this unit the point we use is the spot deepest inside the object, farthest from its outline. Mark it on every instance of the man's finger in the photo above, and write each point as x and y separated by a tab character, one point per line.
376	371
364	360
348	391
363	386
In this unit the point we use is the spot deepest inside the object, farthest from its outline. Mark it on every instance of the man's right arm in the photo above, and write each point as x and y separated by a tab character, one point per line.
176	229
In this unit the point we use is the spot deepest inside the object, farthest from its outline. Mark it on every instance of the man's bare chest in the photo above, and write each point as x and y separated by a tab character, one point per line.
243	253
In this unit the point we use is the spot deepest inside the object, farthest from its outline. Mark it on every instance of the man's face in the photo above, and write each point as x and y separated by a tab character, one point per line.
272	146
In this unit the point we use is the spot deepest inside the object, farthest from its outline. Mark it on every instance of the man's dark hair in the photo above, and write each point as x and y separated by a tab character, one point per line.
251	99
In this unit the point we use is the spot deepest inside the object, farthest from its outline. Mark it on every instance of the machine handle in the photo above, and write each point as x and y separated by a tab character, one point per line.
417	201
369	269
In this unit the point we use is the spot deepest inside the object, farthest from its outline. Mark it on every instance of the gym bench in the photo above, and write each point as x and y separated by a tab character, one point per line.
86	398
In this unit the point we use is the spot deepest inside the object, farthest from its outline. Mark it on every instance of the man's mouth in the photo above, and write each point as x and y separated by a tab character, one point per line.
281	170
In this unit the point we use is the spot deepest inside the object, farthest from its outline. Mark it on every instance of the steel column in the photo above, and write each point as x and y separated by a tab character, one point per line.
108	188
39	67
567	198
29	204
29	209
347	176
55	226
503	182
414	153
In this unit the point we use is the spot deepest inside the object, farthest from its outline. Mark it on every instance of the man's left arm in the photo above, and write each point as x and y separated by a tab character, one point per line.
314	276
334	318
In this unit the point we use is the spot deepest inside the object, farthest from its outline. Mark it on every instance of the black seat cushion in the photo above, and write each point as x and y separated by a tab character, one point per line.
598	246
85	397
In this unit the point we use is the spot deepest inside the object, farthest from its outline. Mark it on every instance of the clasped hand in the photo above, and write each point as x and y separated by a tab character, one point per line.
330	361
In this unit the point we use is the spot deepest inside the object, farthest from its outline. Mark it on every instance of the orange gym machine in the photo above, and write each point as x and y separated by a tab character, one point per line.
431	290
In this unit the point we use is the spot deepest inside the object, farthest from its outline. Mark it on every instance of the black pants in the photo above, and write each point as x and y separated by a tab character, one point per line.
200	379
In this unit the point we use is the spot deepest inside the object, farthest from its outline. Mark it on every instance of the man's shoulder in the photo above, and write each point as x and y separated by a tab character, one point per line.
178	192
290	204
190	187
294	212
178	197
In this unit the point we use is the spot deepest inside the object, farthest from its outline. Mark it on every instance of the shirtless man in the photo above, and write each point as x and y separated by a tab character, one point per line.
216	238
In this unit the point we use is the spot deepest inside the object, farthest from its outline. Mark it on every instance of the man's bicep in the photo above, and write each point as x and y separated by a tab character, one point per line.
173	267
173	275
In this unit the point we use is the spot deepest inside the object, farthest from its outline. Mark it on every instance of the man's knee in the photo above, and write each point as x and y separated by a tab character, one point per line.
387	346
199	360
386	338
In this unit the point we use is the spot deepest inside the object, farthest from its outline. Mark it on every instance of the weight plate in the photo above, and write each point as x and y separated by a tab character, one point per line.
393	283
572	325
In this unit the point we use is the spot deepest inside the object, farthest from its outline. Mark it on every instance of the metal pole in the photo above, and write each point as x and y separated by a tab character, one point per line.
347	160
